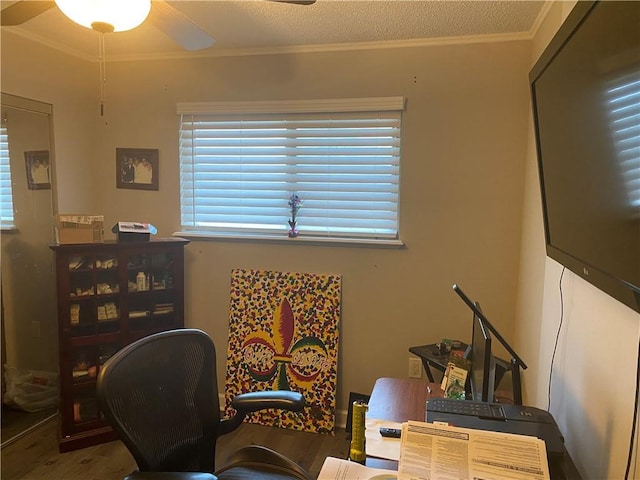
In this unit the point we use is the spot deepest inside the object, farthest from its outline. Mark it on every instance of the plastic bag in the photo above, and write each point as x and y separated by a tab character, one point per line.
30	390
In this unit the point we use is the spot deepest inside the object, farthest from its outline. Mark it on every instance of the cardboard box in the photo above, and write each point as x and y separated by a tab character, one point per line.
79	228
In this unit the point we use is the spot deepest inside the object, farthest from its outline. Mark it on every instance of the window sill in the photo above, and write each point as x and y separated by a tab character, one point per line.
301	240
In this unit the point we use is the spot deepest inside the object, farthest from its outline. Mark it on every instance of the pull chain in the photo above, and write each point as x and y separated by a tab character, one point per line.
103	72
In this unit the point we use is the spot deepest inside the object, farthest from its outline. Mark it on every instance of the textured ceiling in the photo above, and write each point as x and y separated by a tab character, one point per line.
255	26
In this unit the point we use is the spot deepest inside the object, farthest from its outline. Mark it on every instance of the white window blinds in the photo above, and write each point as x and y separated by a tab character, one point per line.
623	101
342	158
6	195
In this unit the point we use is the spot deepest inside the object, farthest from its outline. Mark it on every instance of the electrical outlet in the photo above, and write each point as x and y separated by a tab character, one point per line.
415	368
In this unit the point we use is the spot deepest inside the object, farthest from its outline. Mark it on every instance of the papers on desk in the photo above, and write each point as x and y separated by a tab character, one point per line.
436	452
378	446
337	469
439	452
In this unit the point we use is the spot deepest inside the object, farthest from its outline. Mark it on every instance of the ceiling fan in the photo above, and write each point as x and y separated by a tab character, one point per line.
163	15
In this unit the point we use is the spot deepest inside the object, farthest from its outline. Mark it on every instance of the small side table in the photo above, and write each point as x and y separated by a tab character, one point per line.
431	357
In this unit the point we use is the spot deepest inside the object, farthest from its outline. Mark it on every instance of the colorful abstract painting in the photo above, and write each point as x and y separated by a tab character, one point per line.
283	335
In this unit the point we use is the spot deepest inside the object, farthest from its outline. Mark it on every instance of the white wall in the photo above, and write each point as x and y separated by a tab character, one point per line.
463	152
594	371
72	87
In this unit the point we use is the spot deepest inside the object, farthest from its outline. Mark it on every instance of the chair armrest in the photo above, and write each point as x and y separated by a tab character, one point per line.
245	403
282	399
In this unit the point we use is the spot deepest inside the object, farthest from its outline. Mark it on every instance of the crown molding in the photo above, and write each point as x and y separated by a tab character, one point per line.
293	49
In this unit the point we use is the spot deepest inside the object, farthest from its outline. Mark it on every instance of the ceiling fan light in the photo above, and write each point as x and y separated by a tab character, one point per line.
121	14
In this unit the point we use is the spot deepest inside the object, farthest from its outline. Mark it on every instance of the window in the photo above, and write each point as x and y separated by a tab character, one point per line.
241	162
6	194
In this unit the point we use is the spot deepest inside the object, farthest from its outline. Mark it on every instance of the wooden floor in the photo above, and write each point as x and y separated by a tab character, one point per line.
14	421
35	456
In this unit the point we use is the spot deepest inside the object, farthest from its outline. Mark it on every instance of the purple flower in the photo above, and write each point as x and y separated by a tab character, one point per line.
295	202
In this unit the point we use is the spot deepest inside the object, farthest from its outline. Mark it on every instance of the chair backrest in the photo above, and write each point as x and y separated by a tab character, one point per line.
160	395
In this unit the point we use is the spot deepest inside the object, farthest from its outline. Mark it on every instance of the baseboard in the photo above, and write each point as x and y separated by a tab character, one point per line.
341	419
341	415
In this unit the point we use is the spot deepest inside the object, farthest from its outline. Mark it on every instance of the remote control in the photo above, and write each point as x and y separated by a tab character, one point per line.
390	432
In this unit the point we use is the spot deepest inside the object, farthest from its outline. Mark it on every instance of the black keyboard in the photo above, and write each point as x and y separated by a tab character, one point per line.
466	407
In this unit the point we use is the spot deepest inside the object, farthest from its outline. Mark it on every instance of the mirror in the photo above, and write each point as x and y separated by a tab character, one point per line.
29	317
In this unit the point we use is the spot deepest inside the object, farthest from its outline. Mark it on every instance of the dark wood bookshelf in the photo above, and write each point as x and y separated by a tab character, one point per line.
104	305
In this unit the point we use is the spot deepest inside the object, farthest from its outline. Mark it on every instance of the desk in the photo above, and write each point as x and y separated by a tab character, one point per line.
397	400
403	399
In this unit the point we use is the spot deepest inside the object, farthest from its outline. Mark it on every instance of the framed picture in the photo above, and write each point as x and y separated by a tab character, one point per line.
38	171
137	168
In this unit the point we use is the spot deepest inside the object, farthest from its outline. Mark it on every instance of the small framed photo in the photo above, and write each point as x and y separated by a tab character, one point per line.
38	171
137	168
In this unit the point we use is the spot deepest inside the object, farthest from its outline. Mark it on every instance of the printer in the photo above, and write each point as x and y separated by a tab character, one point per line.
498	417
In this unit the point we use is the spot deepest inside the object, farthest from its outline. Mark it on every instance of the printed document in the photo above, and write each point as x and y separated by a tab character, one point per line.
337	469
438	452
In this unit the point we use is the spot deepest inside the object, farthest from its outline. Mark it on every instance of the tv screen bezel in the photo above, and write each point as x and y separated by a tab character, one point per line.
617	288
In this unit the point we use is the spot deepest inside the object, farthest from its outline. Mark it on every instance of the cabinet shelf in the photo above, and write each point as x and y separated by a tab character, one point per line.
84	382
95	305
94	339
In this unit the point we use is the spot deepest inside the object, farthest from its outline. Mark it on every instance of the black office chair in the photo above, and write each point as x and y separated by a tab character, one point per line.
160	395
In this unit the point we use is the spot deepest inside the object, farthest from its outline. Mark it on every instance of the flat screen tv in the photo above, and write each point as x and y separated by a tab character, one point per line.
586	104
483	363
